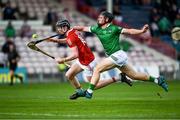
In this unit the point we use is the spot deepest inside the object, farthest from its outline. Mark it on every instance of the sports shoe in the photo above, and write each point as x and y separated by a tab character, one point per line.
88	95
78	93
162	83
125	79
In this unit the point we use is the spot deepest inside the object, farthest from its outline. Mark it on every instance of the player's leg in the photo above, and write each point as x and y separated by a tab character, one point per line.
104	83
70	74
88	71
130	72
11	72
118	58
19	77
13	68
104	65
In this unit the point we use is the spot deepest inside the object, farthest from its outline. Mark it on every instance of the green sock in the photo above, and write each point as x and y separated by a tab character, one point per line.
91	86
151	78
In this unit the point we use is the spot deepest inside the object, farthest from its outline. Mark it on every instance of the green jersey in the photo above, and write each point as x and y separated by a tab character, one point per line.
109	37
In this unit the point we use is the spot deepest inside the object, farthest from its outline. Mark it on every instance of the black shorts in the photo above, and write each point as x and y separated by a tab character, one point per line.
13	67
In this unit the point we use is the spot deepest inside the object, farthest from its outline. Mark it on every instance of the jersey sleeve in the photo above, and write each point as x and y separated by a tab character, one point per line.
118	29
93	28
71	42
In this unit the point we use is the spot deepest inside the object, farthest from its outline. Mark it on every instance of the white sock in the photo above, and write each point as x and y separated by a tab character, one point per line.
90	91
156	81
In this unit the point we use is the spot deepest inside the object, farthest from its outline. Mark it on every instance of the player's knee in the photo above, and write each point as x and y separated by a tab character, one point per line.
98	69
69	76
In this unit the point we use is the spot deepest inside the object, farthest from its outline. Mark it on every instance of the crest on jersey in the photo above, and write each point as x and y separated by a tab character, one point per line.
109	31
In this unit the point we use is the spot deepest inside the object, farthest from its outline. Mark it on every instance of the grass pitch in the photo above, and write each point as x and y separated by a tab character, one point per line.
117	101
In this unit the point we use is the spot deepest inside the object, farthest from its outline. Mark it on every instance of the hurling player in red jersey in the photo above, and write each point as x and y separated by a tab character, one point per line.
86	60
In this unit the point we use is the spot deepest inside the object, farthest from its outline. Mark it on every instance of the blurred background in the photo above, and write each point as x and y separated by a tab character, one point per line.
154	52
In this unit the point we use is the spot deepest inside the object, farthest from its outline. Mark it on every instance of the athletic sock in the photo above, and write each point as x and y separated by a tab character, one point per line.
91	88
156	80
153	79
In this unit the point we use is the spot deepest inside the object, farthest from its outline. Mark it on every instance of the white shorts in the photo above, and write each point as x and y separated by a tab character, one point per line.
88	70
119	58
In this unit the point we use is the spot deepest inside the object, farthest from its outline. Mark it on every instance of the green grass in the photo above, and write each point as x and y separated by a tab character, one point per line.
117	101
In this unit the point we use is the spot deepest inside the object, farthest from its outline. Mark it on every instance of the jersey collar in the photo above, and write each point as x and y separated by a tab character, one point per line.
69	31
107	26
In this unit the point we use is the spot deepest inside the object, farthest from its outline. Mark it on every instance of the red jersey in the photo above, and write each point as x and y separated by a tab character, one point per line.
85	55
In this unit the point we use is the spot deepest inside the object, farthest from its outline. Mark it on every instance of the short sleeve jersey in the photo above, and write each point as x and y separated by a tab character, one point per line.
85	55
109	37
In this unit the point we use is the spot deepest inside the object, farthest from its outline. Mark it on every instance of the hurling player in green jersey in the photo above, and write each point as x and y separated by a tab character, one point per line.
109	35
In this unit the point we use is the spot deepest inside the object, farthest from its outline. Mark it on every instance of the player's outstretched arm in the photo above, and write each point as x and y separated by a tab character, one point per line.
82	28
135	31
71	57
57	40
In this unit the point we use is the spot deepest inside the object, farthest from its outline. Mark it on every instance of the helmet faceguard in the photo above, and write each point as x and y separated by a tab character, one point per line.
63	23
